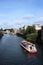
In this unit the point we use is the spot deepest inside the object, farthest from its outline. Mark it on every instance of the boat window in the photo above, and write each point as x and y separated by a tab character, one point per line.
30	47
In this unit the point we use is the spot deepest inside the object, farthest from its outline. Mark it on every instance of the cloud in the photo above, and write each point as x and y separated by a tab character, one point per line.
28	16
41	18
7	16
39	21
18	22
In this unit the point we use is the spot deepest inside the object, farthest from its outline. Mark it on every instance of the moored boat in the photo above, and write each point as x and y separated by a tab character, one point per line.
30	47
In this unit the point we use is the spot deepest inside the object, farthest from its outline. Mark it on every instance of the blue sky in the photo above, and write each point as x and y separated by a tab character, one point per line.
16	13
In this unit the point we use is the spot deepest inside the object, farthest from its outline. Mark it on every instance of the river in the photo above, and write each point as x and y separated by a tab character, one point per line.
11	53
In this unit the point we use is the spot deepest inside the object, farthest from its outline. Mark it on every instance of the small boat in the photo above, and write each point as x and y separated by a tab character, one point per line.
30	47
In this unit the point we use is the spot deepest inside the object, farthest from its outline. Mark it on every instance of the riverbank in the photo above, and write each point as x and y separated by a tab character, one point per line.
29	37
32	38
1	34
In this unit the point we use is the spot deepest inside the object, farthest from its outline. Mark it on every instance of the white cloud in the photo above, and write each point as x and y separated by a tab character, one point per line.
39	21
28	16
41	18
19	22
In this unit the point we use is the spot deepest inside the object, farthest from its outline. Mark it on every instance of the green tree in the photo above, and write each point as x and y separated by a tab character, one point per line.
32	37
30	29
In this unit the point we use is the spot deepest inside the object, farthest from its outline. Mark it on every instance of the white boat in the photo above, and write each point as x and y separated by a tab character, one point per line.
30	47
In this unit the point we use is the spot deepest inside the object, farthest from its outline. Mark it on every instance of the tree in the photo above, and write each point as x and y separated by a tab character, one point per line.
11	30
30	29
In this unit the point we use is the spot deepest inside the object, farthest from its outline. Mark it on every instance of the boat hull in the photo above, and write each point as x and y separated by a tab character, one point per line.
31	52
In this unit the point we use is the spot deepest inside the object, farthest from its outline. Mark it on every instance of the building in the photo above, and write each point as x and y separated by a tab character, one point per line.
15	31
7	32
37	26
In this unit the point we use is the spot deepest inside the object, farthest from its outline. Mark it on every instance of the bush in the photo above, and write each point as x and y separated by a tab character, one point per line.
31	37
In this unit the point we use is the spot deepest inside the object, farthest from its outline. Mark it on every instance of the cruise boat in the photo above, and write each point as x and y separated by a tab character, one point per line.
30	47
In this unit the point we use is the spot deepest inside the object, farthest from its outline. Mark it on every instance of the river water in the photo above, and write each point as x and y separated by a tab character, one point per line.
11	53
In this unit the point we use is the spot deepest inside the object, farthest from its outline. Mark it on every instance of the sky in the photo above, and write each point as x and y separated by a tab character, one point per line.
17	13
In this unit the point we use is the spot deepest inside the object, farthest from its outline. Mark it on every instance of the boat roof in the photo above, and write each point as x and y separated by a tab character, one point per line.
28	43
